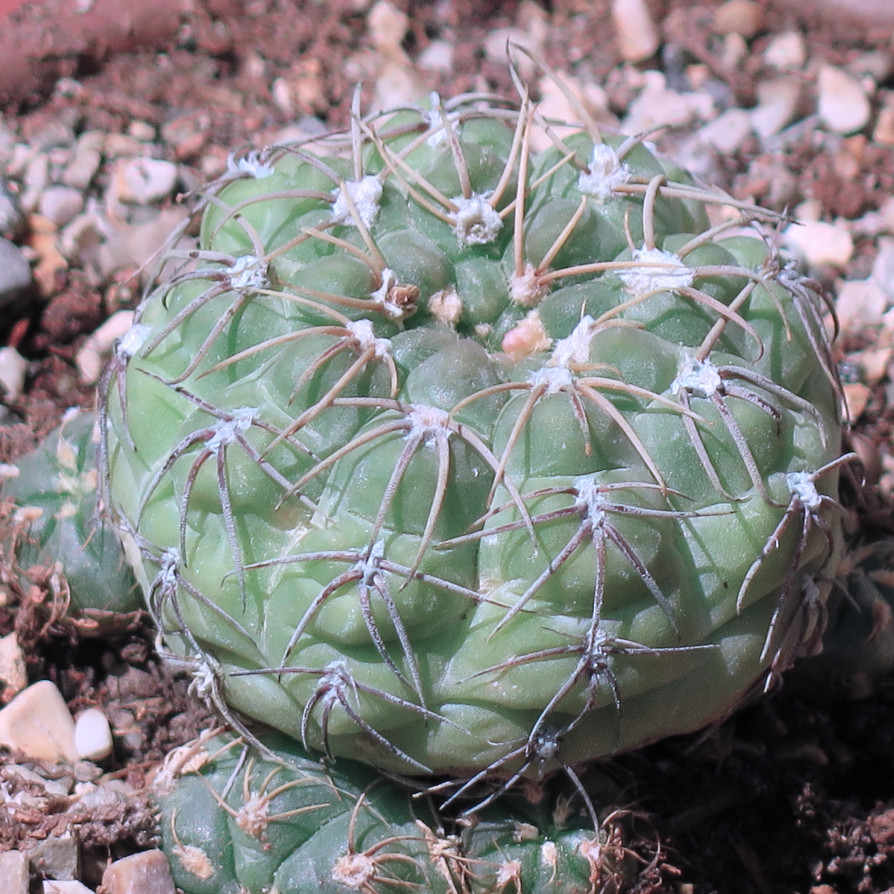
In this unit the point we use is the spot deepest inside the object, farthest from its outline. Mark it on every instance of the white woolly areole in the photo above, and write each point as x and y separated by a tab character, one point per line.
699	377
425	420
792	278
604	175
660	270
248	272
365	195
363	332
571	351
508	873
132	340
575	348
226	430
335	680
802	487
475	221
527	290
369	565
437	139
554	377
382	296
446	305
251	164
169	561
423	416
590	499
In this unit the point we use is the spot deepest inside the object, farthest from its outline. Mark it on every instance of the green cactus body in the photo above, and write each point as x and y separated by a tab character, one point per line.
458	457
55	519
233	822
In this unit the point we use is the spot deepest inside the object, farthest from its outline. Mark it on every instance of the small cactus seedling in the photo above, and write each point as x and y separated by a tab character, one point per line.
233	822
54	521
461	446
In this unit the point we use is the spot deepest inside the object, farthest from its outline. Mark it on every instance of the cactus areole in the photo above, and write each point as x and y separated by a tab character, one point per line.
462	444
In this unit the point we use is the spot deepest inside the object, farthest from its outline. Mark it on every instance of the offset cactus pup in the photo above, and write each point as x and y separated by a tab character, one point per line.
54	521
466	445
232	821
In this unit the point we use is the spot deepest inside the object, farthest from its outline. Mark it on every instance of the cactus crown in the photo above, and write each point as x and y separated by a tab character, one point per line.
463	444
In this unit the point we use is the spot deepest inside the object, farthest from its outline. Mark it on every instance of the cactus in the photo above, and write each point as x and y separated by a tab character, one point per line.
54	519
859	636
233	822
463	444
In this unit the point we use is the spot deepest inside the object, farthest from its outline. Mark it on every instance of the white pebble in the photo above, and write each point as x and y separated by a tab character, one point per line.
83	167
883	267
35	180
821	242
14	872
142	181
842	101
13	367
860	303
786	51
745	17
51	886
637	35
93	736
437	56
727	131
387	28
37	722
659	105
61	204
145	873
91	358
120	145
777	105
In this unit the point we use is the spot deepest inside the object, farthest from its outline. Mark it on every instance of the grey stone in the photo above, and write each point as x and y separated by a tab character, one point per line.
12	218
83	167
56	857
15	275
7	142
61	204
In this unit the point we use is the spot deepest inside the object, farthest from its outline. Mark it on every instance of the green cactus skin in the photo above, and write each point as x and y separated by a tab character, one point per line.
457	456
233	822
54	519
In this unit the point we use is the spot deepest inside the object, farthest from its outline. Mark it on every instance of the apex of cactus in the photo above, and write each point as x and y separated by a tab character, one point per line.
459	457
